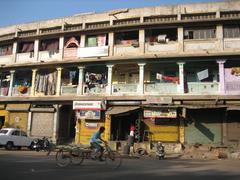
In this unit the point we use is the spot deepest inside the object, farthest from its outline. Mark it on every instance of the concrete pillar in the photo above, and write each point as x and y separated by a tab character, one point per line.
59	74
219	36
12	72
61	47
77	131
36	49
83	39
142	41
55	124
34	72
141	78
180	39
14	51
80	80
111	43
109	80
107	127
29	123
181	77
221	87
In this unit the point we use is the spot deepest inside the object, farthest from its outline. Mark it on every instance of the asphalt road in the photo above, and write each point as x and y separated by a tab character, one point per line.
24	165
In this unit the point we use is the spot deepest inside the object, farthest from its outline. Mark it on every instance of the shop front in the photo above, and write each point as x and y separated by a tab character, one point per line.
161	124
3	116
204	125
18	115
89	118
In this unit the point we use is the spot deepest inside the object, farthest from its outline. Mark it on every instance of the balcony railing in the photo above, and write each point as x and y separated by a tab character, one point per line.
4	91
25	57
8	59
94	89
231	44
17	92
199	45
120	50
124	88
71	89
161	88
202	87
48	55
169	47
93	51
70	53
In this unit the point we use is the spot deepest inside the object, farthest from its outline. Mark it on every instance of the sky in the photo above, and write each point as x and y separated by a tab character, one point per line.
24	11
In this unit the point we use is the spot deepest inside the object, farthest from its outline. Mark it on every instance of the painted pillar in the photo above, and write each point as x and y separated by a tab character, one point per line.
29	123
34	71
181	77
142	41
36	49
80	80
180	40
221	87
219	36
141	78
14	51
77	130
55	124
109	80
61	47
111	43
83	39
181	126
12	72
107	127
59	74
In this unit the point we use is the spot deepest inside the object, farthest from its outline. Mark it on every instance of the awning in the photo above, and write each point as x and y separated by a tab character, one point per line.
121	109
18	107
203	106
233	108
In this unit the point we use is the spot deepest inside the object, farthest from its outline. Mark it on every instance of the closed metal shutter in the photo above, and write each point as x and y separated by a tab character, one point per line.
233	126
42	124
204	126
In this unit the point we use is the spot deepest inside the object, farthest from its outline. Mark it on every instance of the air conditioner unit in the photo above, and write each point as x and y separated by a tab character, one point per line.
162	38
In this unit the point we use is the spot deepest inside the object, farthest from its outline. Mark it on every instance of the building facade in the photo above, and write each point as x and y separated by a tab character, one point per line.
171	71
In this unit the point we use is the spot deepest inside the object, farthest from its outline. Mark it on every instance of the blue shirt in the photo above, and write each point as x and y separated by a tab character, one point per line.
95	137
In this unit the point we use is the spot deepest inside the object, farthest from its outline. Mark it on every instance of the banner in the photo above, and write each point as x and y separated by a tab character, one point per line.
90	114
88	105
161	113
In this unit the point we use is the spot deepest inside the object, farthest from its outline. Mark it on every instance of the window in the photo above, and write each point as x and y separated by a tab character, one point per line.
23	134
5	50
16	133
208	33
153	34
231	32
96	40
3	131
127	38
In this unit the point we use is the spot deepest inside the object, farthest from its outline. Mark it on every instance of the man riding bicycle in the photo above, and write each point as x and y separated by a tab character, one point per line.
96	141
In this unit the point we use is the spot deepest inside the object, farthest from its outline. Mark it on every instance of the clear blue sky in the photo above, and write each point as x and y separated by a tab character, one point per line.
23	11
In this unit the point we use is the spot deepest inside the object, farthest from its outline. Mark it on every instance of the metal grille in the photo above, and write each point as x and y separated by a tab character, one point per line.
198	16
127	21
154	19
232	14
98	25
51	30
27	33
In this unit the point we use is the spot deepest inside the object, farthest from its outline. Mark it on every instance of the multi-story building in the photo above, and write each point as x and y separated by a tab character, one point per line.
173	71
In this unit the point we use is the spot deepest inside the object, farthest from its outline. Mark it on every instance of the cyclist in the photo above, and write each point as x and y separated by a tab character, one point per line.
96	141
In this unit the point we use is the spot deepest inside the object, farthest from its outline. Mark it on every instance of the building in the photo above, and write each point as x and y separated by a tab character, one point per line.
172	71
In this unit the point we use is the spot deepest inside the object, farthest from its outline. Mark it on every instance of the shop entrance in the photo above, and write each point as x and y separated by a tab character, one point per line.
66	124
121	123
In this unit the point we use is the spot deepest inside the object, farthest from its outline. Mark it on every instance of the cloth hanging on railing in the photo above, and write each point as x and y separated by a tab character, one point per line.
161	77
46	83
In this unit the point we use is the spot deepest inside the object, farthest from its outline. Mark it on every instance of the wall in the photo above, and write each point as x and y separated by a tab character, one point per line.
18	120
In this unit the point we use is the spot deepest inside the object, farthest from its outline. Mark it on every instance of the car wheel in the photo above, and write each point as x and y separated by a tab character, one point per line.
19	147
31	147
9	145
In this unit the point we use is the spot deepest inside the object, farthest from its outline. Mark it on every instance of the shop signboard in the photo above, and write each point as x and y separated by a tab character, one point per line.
90	114
161	113
88	105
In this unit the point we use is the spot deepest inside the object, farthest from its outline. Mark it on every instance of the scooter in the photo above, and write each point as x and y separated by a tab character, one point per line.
160	152
41	144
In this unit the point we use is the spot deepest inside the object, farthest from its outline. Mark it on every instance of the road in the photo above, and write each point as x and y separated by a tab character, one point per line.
30	165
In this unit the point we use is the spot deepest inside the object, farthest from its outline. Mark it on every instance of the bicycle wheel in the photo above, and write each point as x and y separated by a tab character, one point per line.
77	157
113	159
62	158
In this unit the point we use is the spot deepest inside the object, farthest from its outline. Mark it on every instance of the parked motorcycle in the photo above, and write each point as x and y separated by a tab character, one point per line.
160	152
41	144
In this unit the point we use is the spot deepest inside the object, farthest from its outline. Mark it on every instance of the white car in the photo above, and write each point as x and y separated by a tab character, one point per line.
12	137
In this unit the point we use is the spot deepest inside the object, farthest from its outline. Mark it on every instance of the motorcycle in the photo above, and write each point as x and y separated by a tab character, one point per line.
41	144
160	152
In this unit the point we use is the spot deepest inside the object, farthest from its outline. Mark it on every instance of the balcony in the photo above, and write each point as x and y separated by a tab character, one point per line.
25	57
49	55
124	88
24	92
171	47
161	88
8	59
199	45
202	87
98	51
94	89
70	89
